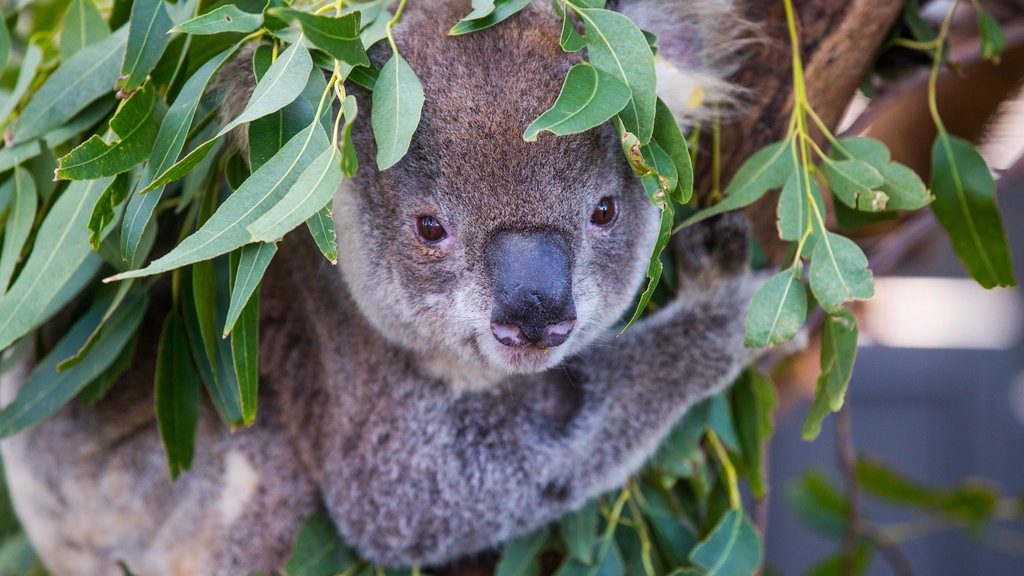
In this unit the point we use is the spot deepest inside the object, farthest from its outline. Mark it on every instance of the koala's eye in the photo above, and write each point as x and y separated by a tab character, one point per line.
430	229
605	212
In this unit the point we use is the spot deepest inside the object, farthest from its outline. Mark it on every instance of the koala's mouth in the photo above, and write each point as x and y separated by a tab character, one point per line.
529	358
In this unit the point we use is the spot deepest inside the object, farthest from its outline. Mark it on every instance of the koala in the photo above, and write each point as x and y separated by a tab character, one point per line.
457	380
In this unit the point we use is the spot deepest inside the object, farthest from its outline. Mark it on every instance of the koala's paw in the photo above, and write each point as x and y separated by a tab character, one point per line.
713	252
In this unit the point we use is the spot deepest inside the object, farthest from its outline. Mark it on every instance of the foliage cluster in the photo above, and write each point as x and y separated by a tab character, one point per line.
117	102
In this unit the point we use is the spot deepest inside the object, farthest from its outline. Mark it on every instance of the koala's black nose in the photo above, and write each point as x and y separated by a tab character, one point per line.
532	276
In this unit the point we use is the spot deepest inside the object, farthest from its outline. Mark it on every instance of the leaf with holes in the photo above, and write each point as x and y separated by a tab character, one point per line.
227	18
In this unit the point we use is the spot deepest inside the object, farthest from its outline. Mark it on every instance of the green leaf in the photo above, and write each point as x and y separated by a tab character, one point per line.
280	86
904	188
839	272
579	531
46	389
732	548
654	267
321	227
618	47
795	212
169	142
767	169
26	74
965	205
310	193
993	41
589	98
777	310
818	504
520	554
608	562
856	183
135	124
22	215
338	37
486	14
106	209
245	348
204	309
120	293
61	246
147	38
884	482
227	18
83	25
670	138
838	354
268	134
84	77
869	150
98	388
5	44
571	40
753	403
318	549
177	395
226	229
253	262
836	565
397	105
11	156
681	449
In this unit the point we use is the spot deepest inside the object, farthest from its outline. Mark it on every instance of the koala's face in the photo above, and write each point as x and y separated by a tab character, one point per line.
486	254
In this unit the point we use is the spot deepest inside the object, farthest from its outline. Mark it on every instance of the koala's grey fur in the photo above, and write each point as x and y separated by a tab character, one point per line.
384	396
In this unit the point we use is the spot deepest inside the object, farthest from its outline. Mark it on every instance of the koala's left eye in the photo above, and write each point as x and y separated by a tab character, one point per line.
430	229
605	212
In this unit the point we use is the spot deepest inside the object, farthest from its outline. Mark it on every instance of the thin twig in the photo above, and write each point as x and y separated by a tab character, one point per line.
891	553
847	458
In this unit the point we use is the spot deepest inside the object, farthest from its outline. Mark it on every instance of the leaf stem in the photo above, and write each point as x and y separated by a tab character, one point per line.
391	24
730	470
933	79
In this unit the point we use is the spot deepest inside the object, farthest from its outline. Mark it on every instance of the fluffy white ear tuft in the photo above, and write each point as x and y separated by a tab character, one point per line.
698	43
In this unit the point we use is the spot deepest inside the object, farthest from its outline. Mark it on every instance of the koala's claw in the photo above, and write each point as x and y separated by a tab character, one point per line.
718	247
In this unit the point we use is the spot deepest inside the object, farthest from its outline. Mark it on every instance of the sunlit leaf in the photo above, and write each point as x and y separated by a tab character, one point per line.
311	192
397	105
965	205
177	395
589	98
227	18
487	13
618	47
135	124
280	86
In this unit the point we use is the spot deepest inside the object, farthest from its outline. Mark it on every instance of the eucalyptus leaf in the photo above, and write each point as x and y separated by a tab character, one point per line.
310	193
135	125
84	77
794	210
26	73
904	188
838	272
654	267
47	390
855	182
61	245
177	395
578	531
993	41
338	37
226	229
818	504
280	86
147	39
669	138
732	548
83	25
518	554
753	402
489	13
589	98
321	227
252	264
22	215
227	18
318	550
106	209
838	353
245	355
965	205
618	47
777	310
5	43
397	105
170	140
11	156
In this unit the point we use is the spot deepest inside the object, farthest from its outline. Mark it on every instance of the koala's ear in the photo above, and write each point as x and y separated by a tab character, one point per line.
697	50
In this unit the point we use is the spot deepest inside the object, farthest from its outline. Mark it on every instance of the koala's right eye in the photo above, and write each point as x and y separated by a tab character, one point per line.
430	229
